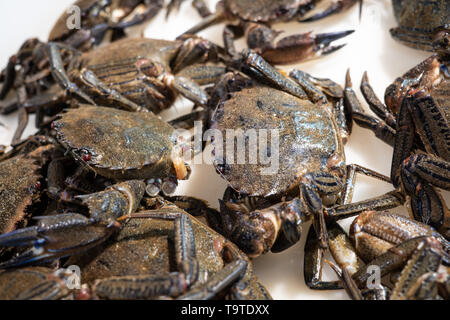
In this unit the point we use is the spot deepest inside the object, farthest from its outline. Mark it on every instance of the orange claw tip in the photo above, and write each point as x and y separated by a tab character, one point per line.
180	168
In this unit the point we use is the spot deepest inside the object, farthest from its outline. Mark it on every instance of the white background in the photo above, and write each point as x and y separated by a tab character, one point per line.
369	48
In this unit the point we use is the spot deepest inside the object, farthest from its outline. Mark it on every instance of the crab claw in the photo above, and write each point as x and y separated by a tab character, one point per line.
302	47
323	41
334	8
54	237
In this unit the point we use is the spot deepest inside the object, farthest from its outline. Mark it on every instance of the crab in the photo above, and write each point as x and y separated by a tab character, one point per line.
97	17
420	22
391	242
265	210
415	121
255	19
122	145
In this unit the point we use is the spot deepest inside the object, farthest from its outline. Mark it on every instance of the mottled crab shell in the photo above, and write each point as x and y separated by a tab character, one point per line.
308	140
422	15
19	183
148	245
118	144
265	10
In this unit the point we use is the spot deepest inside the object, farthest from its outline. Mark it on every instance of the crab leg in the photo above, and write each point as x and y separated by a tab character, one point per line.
334	8
427	205
354	169
338	242
151	10
23	122
372	100
380	231
352	289
349	285
58	72
429	168
217	283
91	80
255	65
419	173
430	122
203	74
381	129
313	262
387	201
65	234
393	259
207	22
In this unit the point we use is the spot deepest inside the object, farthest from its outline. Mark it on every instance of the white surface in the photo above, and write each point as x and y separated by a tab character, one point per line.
369	48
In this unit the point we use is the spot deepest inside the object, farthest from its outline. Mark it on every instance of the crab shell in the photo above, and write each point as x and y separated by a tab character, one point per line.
425	15
264	10
144	247
117	144
308	140
19	186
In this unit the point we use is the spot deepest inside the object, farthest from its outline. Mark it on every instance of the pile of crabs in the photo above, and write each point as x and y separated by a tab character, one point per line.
94	186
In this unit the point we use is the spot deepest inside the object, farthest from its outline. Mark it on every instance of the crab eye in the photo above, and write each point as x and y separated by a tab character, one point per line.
86	156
